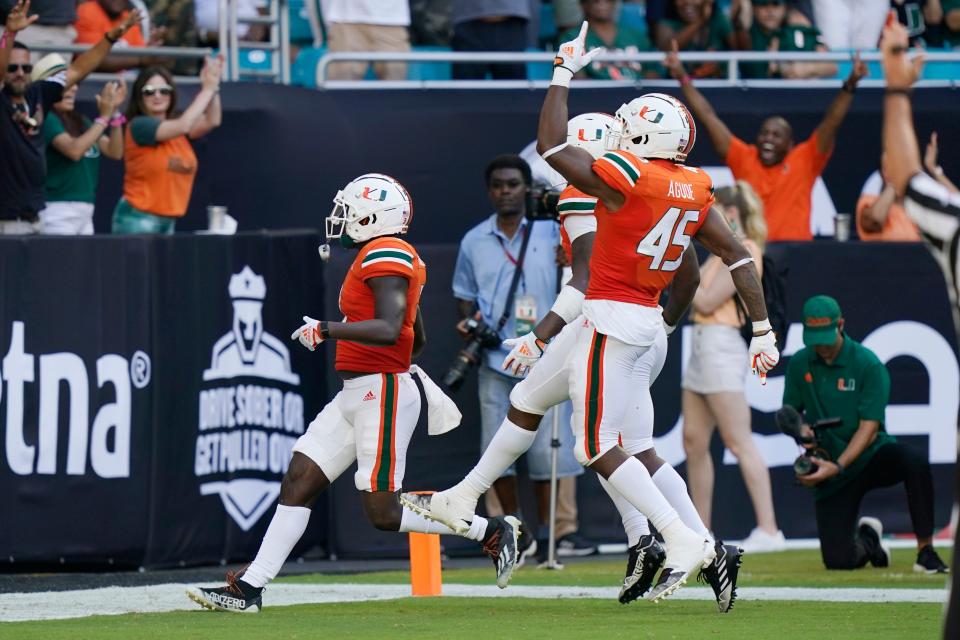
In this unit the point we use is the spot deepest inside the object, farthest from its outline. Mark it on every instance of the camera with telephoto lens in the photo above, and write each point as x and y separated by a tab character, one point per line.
481	337
542	202
790	423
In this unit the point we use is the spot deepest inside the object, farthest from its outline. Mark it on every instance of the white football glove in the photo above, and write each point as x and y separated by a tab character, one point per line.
524	353
763	354
572	57
308	334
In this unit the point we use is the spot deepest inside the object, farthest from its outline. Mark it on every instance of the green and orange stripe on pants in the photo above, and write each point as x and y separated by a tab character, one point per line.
383	471
593	412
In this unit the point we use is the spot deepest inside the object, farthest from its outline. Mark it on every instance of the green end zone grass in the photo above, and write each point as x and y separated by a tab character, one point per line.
786	569
508	618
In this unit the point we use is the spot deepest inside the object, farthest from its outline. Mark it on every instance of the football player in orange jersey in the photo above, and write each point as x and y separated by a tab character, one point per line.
371	420
649	205
548	384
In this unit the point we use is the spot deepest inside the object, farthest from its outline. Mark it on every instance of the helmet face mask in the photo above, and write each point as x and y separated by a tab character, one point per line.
370	206
656	125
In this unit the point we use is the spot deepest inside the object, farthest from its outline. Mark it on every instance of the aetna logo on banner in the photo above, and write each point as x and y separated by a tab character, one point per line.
105	442
247	429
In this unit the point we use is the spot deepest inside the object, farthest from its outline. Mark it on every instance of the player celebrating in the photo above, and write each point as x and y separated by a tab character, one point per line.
373	417
548	385
649	205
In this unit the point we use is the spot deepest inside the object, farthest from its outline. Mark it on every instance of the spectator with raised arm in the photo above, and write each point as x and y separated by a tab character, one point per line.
604	31
54	24
23	106
781	171
74	147
880	213
768	27
697	25
159	161
95	17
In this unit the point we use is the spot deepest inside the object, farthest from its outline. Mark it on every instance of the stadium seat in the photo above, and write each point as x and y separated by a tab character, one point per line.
539	70
300	30
548	26
634	15
941	70
304	69
428	70
843	68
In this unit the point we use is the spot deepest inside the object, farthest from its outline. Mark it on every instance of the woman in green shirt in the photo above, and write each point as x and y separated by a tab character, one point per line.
74	146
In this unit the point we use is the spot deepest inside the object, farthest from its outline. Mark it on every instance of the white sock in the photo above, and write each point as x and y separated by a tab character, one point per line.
509	443
634	522
285	529
414	522
632	481
674	489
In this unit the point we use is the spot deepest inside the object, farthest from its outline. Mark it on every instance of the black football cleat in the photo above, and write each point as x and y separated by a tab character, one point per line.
721	575
645	559
236	597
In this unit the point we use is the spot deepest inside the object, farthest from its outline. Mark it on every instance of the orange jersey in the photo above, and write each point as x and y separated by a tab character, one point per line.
385	256
573	202
639	246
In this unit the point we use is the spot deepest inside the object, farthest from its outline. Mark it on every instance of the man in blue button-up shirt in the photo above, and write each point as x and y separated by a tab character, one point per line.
481	283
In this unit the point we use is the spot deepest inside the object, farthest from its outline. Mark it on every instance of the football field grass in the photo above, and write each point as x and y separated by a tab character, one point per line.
460	618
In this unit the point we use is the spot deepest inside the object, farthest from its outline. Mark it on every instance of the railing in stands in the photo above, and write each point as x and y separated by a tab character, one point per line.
730	57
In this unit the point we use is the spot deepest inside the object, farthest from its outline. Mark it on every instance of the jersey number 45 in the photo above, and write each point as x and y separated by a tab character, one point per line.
667	233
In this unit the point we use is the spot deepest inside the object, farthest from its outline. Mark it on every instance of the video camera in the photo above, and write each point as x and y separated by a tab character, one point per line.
481	337
790	423
542	202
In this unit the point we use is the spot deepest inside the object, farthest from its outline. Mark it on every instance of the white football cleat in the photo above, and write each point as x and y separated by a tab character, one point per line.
684	557
451	507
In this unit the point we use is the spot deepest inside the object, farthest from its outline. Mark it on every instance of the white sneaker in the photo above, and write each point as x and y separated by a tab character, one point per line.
759	541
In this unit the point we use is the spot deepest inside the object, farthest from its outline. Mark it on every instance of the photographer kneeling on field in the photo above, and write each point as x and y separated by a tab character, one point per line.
505	281
843	389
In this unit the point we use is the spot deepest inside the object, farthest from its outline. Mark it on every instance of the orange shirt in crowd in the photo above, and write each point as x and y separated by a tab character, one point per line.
898	226
158	176
93	22
785	188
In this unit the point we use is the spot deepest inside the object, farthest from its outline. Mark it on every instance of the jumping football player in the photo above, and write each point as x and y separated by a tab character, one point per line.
373	417
547	385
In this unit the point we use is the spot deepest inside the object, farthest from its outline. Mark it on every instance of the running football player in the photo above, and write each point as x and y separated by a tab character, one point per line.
371	420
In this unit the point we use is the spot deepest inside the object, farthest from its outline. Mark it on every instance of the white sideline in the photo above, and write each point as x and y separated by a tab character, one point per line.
170	597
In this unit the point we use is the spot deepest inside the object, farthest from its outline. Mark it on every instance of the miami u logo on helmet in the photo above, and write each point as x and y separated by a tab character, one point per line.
597	135
645	110
373	194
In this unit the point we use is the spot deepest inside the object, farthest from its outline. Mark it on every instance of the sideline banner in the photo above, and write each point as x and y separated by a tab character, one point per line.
151	394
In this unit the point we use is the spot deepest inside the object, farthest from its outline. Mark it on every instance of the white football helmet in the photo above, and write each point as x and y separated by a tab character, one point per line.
591	132
371	205
656	125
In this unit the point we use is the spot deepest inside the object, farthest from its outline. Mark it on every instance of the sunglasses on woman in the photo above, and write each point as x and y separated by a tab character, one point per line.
150	90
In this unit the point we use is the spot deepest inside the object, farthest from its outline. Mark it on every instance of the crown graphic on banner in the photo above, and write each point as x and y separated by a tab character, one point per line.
247	285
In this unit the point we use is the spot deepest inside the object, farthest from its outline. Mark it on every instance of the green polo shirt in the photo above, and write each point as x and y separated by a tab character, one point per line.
790	38
855	387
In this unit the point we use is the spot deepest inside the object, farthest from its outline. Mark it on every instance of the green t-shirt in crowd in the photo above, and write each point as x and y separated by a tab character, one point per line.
627	40
790	38
718	33
69	181
855	387
950	38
